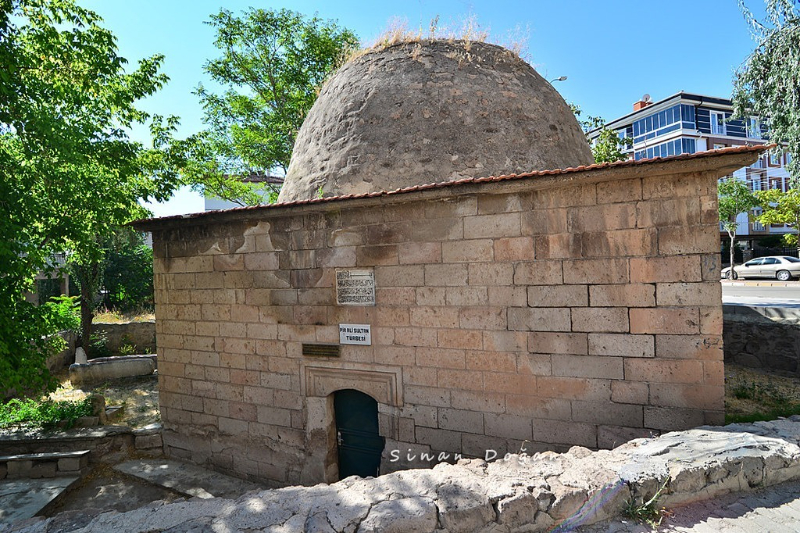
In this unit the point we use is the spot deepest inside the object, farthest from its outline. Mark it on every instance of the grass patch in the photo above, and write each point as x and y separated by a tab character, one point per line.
647	512
32	413
751	396
112	316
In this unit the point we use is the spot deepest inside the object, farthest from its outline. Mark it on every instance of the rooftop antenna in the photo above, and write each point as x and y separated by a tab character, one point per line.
646	98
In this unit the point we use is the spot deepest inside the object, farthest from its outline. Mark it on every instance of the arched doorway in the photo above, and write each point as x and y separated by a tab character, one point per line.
359	443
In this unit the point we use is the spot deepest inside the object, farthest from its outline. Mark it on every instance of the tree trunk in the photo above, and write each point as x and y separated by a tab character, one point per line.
87	276
733	238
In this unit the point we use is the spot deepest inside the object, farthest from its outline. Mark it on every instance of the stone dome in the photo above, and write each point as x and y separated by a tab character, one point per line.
431	111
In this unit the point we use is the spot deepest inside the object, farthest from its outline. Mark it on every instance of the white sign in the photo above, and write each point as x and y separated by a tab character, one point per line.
355	287
355	334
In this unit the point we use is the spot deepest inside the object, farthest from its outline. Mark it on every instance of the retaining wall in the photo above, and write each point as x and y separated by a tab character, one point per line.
763	337
140	334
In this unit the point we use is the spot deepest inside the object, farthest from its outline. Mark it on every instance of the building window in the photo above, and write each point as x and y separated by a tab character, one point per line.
676	147
754	128
774	158
717	122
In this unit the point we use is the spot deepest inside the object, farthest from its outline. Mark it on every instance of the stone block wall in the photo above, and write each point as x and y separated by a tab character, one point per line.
582	309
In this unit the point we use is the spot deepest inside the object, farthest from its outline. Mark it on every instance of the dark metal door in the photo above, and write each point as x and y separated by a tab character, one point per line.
360	445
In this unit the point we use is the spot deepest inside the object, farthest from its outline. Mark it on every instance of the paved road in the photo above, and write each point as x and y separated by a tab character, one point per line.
761	293
773	510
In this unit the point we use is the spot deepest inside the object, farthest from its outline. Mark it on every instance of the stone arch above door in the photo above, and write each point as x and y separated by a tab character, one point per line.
383	386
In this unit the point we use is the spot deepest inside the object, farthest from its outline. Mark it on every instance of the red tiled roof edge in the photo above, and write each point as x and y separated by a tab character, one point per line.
487	179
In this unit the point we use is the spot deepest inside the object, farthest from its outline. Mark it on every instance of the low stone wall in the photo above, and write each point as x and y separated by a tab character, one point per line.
104	368
517	493
762	337
66	356
142	335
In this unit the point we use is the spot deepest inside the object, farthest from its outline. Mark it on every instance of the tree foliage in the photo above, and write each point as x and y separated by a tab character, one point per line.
271	66
781	208
768	83
128	274
68	170
607	147
734	198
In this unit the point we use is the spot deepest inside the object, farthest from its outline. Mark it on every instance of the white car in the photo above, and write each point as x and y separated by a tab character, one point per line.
780	267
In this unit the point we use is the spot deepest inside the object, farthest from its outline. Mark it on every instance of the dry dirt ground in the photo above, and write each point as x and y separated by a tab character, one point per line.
750	393
138	396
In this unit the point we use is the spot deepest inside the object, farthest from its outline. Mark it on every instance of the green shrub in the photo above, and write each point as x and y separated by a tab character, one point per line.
98	345
44	414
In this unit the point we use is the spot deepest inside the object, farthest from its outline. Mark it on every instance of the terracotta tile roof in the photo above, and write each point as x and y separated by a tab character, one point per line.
488	179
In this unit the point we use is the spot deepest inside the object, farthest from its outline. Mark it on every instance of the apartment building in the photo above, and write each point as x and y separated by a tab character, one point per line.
686	123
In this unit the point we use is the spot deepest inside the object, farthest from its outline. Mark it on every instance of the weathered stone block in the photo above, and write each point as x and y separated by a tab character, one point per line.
561	432
558	246
627	295
492	226
630	392
573	388
513	249
468	251
684	268
608	413
495	361
459	420
448	275
420	253
602	218
539	273
462	510
688	240
401	515
707	396
587	366
595	319
689	294
491	273
665	320
509	383
664	370
538	319
609	344
439	439
672	418
539	407
558	296
596	271
563	343
508	426
460	379
400	276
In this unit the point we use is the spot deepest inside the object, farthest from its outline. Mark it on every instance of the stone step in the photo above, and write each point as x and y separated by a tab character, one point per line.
189	480
44	465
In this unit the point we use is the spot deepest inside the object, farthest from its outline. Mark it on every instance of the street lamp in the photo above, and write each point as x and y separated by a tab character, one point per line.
560	78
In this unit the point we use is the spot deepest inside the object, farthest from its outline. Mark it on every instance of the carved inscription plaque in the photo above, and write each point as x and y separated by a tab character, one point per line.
355	287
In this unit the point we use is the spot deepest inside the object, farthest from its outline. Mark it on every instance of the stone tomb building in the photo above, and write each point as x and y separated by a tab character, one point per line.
319	337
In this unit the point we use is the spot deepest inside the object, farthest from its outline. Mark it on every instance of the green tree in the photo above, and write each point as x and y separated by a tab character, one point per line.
781	208
734	198
128	273
607	146
271	67
68	170
766	85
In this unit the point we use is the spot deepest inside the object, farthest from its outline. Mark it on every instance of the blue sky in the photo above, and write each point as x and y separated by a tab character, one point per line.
612	51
